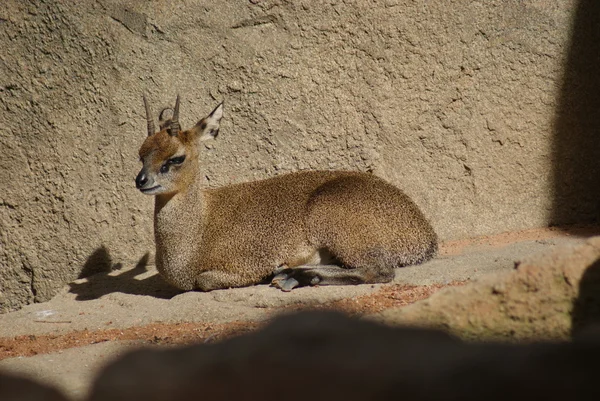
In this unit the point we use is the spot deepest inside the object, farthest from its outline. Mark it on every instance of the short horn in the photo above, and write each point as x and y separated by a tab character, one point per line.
149	120
175	127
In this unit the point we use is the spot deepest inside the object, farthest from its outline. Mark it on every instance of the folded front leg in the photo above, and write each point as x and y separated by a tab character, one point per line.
287	279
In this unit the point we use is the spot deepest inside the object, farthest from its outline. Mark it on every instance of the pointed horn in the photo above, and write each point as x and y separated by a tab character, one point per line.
175	127
151	129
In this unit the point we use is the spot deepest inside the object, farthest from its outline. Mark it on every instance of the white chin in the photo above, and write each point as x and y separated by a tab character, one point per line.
152	191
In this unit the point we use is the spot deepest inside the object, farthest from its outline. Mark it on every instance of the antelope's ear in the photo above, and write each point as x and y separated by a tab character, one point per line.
208	127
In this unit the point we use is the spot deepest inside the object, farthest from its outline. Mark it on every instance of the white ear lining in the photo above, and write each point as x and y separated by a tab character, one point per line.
211	130
217	113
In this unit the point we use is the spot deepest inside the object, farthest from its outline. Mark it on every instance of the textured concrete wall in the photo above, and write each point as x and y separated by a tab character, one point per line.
452	101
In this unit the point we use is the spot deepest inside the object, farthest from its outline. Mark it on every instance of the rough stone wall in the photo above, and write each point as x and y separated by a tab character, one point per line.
452	101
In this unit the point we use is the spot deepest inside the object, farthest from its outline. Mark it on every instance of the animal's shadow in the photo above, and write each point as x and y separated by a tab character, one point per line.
99	272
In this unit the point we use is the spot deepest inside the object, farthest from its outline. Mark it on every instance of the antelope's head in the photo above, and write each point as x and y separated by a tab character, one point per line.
170	156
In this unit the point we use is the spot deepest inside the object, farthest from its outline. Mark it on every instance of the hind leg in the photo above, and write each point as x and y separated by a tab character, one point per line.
369	225
287	279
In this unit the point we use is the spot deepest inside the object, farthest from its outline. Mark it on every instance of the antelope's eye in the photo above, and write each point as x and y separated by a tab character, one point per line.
173	161
177	160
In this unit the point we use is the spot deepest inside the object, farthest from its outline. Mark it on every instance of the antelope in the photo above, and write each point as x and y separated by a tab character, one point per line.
298	229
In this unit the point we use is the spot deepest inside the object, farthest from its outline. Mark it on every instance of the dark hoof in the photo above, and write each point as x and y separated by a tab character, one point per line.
284	282
287	279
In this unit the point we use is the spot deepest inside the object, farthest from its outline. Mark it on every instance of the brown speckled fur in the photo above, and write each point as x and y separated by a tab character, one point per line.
237	235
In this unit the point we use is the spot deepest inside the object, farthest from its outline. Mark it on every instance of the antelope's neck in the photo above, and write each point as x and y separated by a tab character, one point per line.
178	221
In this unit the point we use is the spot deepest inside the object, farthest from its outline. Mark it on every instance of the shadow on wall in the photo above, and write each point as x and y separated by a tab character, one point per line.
586	308
576	147
98	262
101	279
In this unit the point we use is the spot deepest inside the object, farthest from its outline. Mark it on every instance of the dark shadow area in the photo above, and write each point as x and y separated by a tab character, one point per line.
580	230
97	262
100	282
576	146
586	308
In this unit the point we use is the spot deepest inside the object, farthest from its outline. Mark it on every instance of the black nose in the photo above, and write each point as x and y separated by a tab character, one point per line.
141	180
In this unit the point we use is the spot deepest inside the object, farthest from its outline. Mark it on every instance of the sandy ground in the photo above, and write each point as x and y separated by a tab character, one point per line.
91	321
